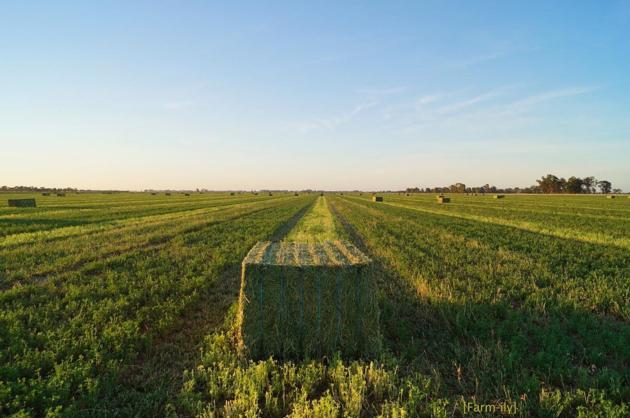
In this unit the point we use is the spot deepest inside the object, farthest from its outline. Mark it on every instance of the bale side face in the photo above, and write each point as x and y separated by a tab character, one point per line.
306	301
22	203
377	198
442	199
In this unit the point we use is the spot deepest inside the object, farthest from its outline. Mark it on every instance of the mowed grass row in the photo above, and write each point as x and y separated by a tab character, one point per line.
555	215
493	313
317	225
64	340
58	251
120	207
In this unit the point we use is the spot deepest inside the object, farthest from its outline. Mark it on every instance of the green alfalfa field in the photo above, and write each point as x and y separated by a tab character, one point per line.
124	304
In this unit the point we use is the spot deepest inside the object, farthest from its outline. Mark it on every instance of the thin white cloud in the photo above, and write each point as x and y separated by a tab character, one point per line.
484	97
334	122
528	102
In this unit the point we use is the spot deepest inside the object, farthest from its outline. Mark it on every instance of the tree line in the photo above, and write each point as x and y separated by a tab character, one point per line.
546	184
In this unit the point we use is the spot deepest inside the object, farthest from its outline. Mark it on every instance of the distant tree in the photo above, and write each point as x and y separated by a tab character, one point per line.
458	188
550	184
617	191
590	184
574	185
604	186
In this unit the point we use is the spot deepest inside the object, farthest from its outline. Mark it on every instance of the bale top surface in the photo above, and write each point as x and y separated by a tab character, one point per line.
289	253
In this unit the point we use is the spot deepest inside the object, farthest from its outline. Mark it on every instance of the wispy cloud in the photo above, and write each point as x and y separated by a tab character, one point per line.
480	98
334	122
535	99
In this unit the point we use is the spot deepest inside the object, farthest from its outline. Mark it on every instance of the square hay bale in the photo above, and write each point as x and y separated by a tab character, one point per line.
307	300
45	194
153	194
22	203
186	194
296	194
611	196
499	196
443	199
321	194
61	195
270	194
377	198
168	194
231	193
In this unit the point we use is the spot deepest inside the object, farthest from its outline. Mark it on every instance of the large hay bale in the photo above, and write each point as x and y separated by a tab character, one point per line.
61	195
22	203
377	198
610	196
499	196
302	300
45	194
186	194
167	194
443	199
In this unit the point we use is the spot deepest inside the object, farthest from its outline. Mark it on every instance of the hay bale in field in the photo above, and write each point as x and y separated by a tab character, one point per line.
61	195
377	198
443	199
499	196
301	300
321	194
270	194
231	193
296	194
153	194
610	196
167	194
22	203
186	194
45	194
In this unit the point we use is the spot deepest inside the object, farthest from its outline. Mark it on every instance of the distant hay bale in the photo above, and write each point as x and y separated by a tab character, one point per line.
295	194
167	194
407	194
270	194
153	194
377	198
61	195
186	194
22	203
231	193
45	194
321	194
611	196
499	196
308	300
443	199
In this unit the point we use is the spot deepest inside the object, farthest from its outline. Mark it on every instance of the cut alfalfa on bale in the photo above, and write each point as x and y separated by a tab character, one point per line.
22	203
302	300
377	198
443	199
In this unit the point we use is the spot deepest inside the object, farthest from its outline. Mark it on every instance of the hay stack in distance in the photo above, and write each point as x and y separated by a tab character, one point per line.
22	203
499	196
61	195
45	194
377	198
301	300
443	199
611	196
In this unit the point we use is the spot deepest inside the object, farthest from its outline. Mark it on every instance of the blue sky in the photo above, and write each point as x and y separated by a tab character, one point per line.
335	95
